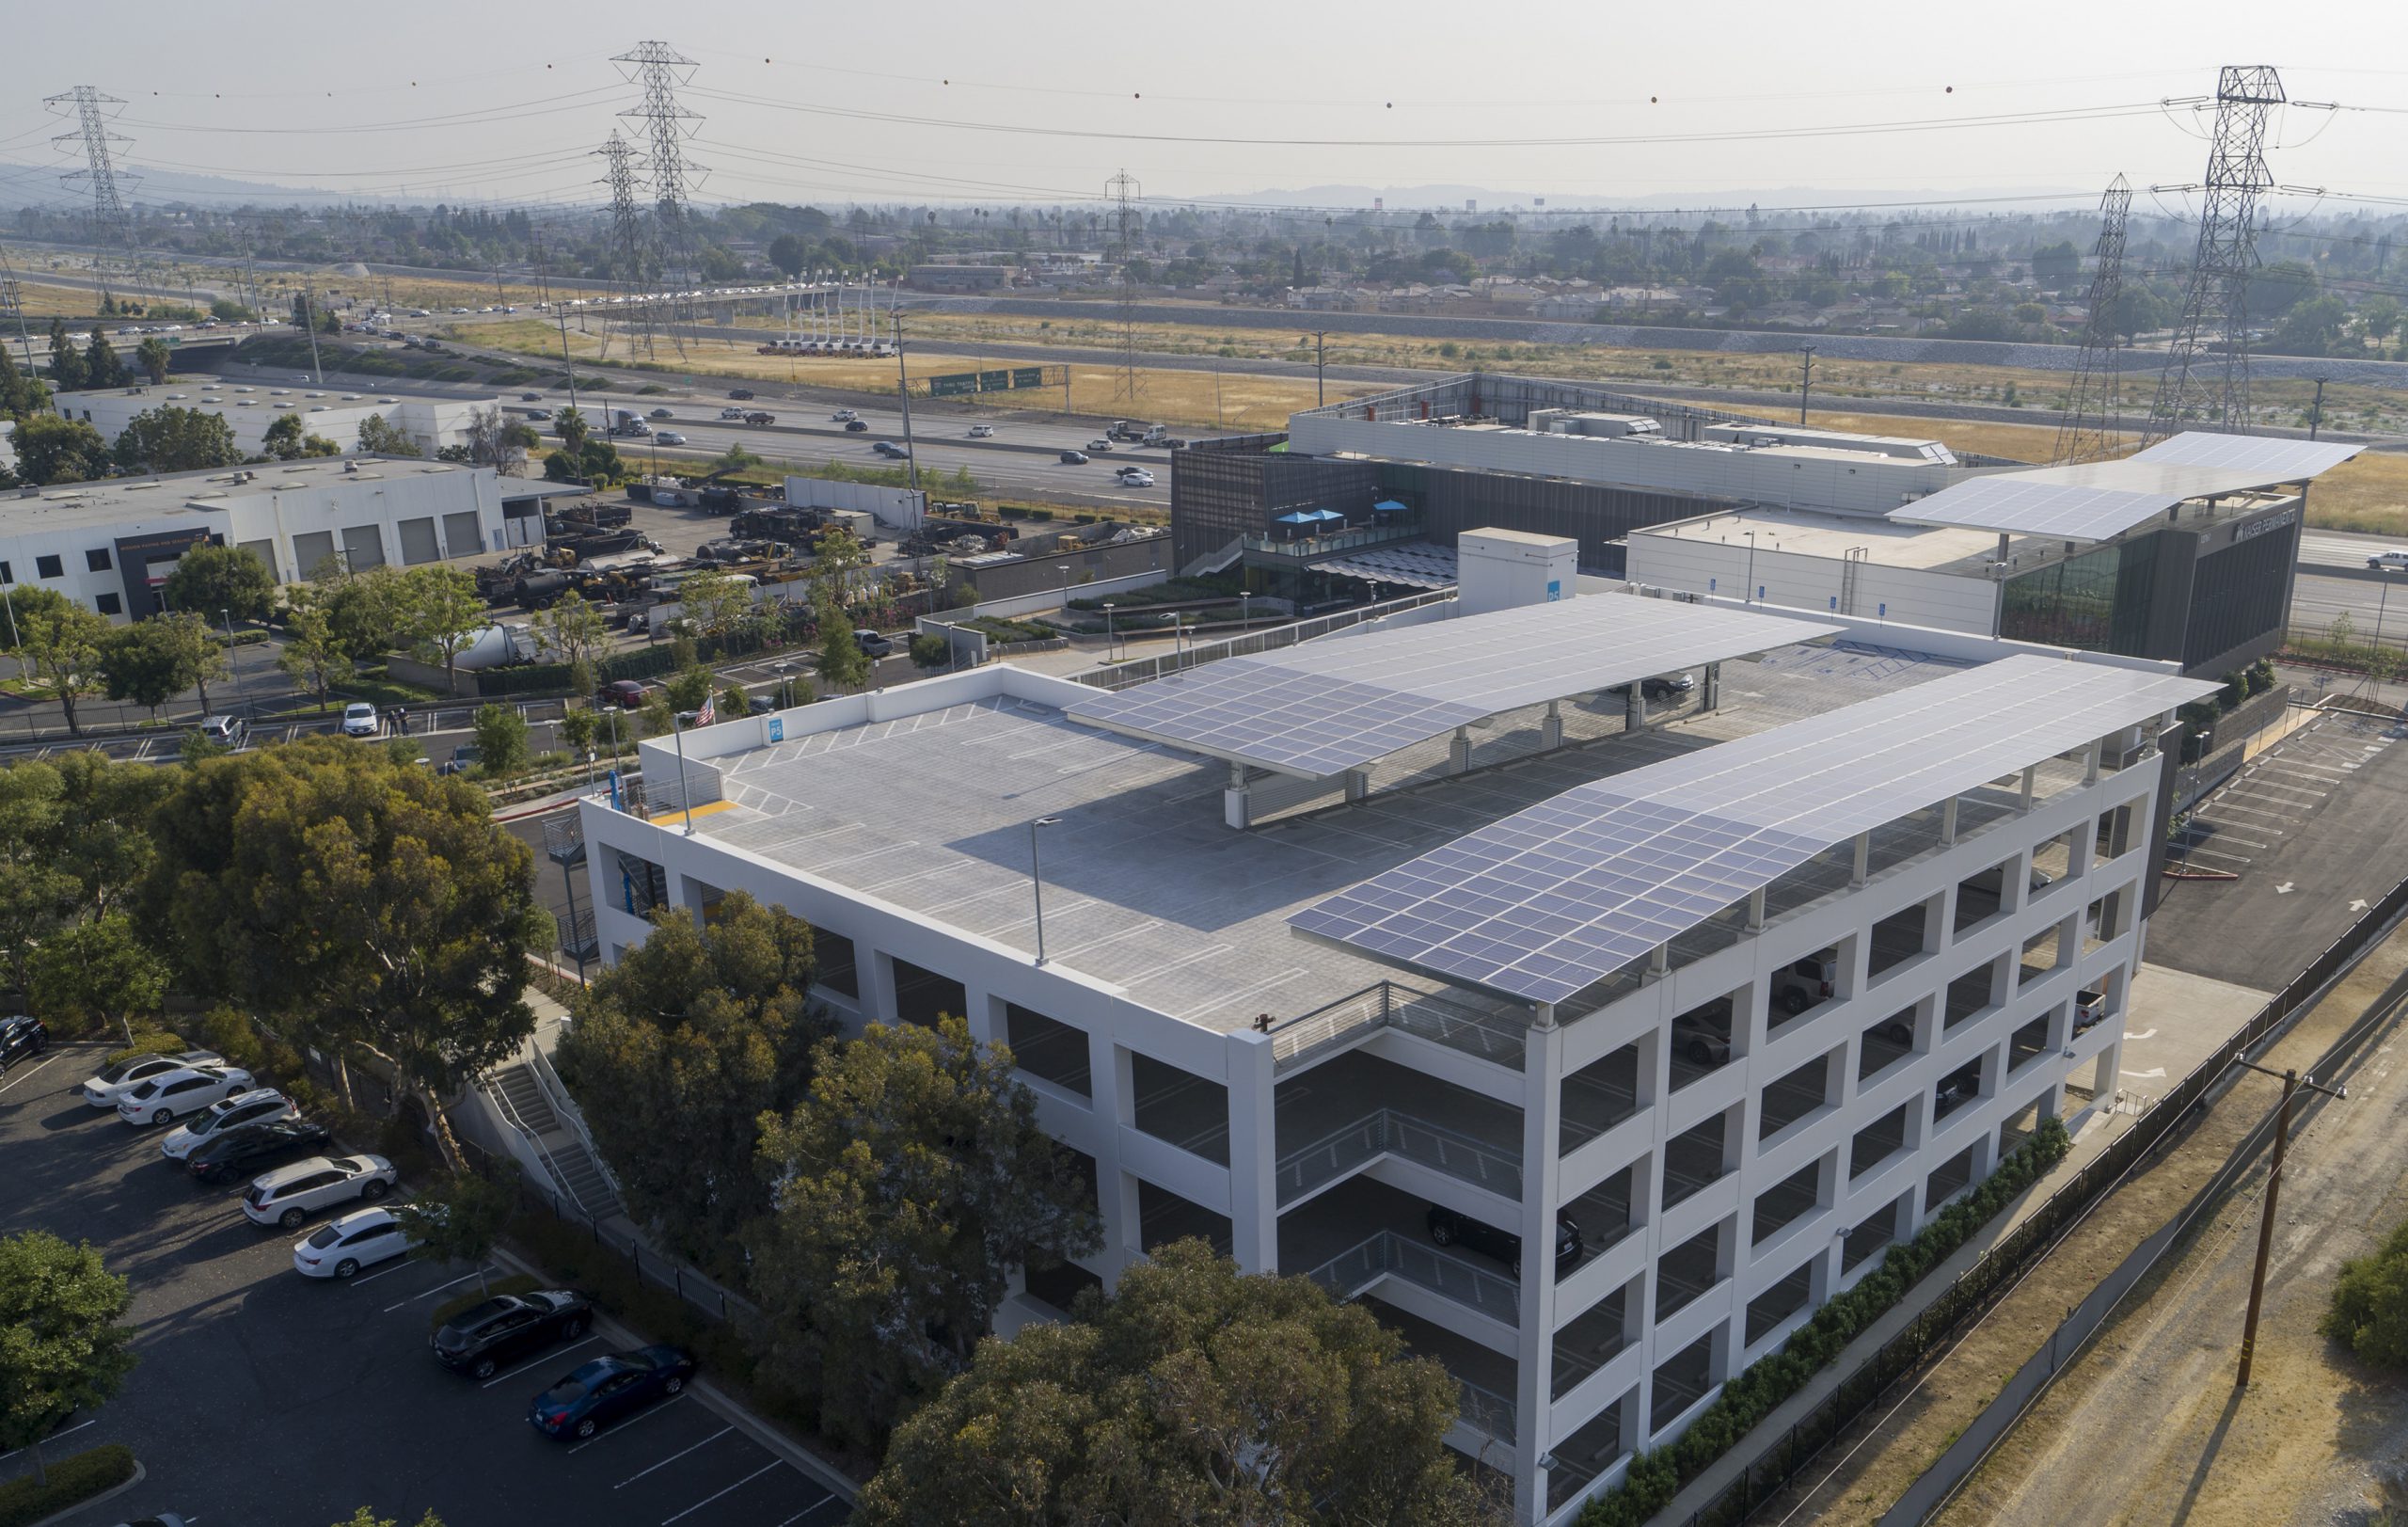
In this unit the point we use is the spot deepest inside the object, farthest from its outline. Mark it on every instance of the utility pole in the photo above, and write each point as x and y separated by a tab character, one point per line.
568	362
1320	393
2315	411
310	311
2292	1084
1805	381
1123	190
903	395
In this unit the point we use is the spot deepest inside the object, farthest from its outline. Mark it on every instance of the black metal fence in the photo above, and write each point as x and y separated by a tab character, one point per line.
1874	1380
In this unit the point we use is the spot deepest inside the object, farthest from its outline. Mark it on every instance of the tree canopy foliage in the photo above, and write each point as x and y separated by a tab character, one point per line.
61	1344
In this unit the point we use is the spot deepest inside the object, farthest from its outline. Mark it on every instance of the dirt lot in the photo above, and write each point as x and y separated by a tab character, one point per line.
1869	1469
2148	1427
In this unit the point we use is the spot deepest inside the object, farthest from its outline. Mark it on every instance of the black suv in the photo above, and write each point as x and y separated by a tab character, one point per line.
483	1336
740	394
1448	1228
21	1038
229	1155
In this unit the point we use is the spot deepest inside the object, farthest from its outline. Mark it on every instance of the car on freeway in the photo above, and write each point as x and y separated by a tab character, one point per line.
982	431
531	397
660	413
104	1089
255	1107
359	720
226	731
479	1339
289	1195
843	416
172	1095
856	427
361	1238
2388	561
1136	477
464	758
596	1394
626	693
540	416
670	436
741	394
232	1152
459	309
21	1038
730	413
1074	459
1447	1227
887	448
1099	447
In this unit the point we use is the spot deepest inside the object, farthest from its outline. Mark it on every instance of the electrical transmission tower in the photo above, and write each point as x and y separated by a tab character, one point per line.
112	226
2092	426
659	69
629	244
2218	295
12	308
1123	190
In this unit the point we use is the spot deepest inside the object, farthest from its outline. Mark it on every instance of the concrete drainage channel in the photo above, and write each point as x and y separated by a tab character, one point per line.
1938	1485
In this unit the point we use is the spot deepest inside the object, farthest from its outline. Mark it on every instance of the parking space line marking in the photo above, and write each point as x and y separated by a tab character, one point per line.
363	1282
437	1289
2256	811
774	1463
675	1457
545	1358
4	1088
809	1509
55	1436
625	1425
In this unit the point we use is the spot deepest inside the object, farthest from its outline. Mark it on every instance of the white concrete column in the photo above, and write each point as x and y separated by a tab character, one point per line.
1358	787
1459	751
874	968
1254	1154
989	1023
1551	728
1948	820
1541	1172
1236	809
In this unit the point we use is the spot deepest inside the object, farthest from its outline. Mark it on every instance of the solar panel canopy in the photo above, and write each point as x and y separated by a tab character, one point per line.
2275	461
2098	501
1553	899
1321	708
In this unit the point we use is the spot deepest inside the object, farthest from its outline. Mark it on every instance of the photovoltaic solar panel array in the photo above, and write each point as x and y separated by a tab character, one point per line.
2273	461
2101	500
1554	898
1321	708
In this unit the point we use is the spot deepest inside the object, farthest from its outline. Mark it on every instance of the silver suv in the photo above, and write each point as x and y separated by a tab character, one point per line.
289	1195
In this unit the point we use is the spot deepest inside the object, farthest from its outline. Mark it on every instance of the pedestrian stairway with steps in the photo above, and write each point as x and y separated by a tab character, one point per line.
573	1171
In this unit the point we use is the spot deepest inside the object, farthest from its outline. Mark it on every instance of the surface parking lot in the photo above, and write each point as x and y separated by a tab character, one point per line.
266	1398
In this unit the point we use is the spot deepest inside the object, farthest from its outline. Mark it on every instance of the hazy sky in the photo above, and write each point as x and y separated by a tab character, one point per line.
997	101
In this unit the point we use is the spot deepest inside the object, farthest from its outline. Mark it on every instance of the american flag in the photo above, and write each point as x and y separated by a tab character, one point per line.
709	712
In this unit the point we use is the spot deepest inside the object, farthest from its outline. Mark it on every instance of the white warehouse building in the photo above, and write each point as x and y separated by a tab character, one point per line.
1588	1024
110	544
430	419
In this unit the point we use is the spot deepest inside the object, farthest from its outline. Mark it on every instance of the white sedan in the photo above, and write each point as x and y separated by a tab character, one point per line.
359	720
255	1107
1136	477
172	1095
359	1239
102	1089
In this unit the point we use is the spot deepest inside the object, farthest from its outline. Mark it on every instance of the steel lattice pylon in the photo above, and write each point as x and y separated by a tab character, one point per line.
1123	190
2216	307
629	244
112	226
2092	425
659	69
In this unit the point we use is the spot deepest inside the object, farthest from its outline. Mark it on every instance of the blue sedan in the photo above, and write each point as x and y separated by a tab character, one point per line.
608	1388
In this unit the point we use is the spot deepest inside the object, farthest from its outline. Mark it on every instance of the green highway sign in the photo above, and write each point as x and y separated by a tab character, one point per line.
1028	376
954	386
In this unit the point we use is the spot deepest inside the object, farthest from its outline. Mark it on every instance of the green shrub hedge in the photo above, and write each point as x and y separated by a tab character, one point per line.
1656	1477
515	1284
2369	1310
73	1480
145	1041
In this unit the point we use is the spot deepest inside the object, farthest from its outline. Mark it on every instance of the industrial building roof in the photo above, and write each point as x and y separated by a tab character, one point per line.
1812	533
1146	885
1323	708
2099	501
113	500
1557	897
